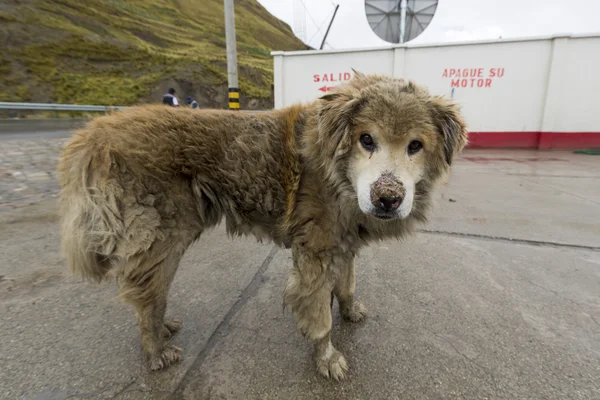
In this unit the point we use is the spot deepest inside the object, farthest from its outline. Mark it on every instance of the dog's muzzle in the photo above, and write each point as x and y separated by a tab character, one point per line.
387	193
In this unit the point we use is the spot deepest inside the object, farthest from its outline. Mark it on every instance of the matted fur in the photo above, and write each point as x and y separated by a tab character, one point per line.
141	185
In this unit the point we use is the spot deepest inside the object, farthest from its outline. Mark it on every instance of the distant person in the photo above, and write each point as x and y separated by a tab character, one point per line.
191	102
170	99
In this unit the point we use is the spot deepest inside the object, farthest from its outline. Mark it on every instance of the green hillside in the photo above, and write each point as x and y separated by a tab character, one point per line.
123	52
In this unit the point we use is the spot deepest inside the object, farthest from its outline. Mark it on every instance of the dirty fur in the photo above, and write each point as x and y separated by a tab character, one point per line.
138	187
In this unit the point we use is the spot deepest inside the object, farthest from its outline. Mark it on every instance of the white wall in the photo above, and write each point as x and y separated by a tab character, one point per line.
305	74
579	93
530	85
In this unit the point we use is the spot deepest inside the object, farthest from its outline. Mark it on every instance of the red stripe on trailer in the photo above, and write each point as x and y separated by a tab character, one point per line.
534	140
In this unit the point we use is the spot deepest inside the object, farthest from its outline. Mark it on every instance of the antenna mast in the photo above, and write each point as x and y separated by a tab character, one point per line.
300	20
329	27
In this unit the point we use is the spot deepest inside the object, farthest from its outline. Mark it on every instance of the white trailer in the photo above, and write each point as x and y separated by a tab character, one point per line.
539	92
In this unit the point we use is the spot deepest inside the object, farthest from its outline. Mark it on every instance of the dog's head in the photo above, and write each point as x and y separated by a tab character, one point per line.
387	140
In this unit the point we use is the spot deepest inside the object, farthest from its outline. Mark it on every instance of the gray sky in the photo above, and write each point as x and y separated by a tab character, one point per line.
455	20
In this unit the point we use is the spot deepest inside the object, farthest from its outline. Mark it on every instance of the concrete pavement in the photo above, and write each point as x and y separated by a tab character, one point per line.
498	298
28	172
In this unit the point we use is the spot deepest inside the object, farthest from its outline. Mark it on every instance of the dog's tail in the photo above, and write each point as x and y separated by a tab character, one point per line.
91	224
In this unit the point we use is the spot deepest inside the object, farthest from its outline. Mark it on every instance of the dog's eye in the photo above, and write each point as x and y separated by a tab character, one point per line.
367	142
414	147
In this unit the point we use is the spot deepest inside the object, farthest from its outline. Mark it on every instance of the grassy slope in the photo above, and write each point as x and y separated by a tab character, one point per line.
119	51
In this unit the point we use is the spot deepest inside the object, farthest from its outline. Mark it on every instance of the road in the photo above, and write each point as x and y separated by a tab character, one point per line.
497	298
33	129
34	135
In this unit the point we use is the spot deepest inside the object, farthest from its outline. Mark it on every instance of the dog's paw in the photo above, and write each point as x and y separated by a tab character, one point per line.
169	356
171	327
356	314
332	364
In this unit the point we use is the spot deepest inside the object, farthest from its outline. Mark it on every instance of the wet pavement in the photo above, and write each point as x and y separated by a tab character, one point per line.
497	298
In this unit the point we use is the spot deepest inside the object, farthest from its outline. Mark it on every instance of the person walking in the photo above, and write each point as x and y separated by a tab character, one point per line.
170	99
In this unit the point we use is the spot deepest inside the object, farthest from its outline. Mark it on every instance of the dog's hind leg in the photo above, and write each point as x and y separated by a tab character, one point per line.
308	293
171	327
344	291
145	284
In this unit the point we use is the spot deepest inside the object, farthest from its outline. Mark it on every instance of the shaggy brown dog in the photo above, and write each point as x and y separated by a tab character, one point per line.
324	179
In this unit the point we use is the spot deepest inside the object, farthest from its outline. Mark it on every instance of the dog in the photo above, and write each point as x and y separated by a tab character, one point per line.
357	165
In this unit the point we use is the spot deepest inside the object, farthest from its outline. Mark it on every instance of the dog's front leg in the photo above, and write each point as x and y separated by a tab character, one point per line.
308	293
344	289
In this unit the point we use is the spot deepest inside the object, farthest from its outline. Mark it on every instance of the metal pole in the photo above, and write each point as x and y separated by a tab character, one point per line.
329	27
232	70
403	5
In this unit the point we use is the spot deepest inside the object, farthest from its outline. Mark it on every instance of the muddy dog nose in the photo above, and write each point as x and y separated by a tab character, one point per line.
387	193
389	203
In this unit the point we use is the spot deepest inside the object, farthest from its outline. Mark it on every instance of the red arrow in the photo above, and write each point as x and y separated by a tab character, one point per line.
326	88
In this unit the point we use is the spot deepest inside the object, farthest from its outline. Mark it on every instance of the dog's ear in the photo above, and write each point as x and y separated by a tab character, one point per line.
336	116
357	74
330	96
451	125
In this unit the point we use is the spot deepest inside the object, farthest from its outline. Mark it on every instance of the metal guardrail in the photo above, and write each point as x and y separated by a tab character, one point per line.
69	107
56	107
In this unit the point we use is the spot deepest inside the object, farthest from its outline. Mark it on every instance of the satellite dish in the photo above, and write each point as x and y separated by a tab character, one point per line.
398	21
